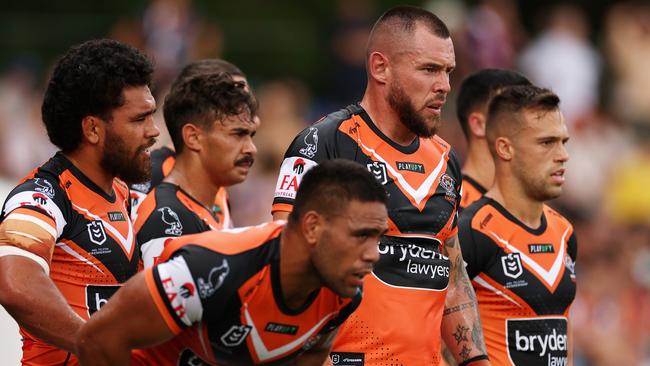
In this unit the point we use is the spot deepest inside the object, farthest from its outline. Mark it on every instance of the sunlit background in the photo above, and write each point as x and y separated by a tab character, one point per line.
306	59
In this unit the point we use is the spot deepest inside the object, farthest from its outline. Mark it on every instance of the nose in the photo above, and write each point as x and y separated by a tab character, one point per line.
249	146
442	84
151	130
562	154
371	253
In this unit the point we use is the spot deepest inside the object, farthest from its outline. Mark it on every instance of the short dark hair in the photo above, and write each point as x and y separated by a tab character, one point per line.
477	89
89	81
328	187
504	111
405	18
201	100
207	66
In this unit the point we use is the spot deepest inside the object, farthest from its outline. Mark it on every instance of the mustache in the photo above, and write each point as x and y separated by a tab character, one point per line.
245	160
149	144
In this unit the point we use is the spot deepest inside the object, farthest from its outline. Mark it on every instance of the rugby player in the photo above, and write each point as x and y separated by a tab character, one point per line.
267	294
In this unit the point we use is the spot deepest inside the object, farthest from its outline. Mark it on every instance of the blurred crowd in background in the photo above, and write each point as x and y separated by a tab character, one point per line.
595	61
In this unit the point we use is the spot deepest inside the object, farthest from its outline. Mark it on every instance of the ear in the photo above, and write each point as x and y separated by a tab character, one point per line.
192	136
92	129
476	123
504	148
312	224
378	67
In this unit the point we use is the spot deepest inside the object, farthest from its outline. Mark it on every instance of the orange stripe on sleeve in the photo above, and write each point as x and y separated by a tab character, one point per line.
159	301
283	207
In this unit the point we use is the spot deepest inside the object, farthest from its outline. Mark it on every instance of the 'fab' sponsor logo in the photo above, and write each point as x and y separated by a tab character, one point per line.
537	342
291	173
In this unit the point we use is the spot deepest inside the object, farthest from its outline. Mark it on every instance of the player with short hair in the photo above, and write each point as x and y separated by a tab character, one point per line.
520	253
66	239
265	294
471	108
419	287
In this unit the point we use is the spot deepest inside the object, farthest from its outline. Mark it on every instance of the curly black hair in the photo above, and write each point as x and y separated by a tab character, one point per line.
88	81
203	99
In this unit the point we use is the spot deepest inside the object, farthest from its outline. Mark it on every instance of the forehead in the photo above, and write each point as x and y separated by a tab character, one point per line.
242	120
545	122
425	47
360	214
137	99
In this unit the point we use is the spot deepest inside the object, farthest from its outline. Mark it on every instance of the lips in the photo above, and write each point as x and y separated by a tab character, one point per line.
558	176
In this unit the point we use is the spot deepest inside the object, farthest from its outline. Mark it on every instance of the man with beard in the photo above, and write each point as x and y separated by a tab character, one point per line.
269	294
520	253
163	159
210	118
419	288
472	103
66	239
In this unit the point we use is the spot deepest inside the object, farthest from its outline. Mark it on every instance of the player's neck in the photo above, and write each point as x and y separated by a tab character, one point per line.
479	164
297	275
511	195
88	162
387	120
193	180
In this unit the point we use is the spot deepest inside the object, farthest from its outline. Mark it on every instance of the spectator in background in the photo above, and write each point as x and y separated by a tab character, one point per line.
561	58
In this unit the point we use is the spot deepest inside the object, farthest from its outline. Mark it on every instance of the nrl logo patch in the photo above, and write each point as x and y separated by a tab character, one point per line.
96	232
378	169
512	265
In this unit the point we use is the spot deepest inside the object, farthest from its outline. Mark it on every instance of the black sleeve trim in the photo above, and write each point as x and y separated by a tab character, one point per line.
477	358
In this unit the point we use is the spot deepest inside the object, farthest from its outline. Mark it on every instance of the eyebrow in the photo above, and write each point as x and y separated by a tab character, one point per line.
144	114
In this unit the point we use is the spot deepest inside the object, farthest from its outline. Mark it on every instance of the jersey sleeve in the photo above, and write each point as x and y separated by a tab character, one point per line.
477	248
572	247
304	153
193	280
32	220
161	223
455	170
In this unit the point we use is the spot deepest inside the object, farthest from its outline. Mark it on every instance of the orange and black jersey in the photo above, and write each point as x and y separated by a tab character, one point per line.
162	163
226	286
168	211
80	235
472	191
524	280
423	183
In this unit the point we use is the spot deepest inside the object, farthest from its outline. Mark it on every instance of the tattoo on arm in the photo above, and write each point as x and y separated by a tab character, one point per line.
461	333
477	337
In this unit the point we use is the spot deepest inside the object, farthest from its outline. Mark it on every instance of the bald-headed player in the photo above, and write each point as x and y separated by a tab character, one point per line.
419	288
471	108
520	253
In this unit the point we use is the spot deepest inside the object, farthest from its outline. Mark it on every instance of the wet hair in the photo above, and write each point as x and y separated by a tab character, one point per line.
477	89
330	186
201	100
506	108
89	80
207	66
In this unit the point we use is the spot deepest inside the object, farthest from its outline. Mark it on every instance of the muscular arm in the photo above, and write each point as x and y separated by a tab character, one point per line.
30	297
461	325
130	320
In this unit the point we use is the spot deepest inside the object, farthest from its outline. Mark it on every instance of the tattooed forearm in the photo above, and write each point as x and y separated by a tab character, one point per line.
477	337
457	308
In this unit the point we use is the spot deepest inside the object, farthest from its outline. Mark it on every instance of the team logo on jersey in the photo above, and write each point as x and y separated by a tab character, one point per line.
299	166
378	169
44	186
170	218
235	335
311	143
512	265
96	232
215	279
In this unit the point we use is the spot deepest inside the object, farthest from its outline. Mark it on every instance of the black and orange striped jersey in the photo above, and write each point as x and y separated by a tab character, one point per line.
472	191
167	212
80	235
408	285
225	286
524	280
162	162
